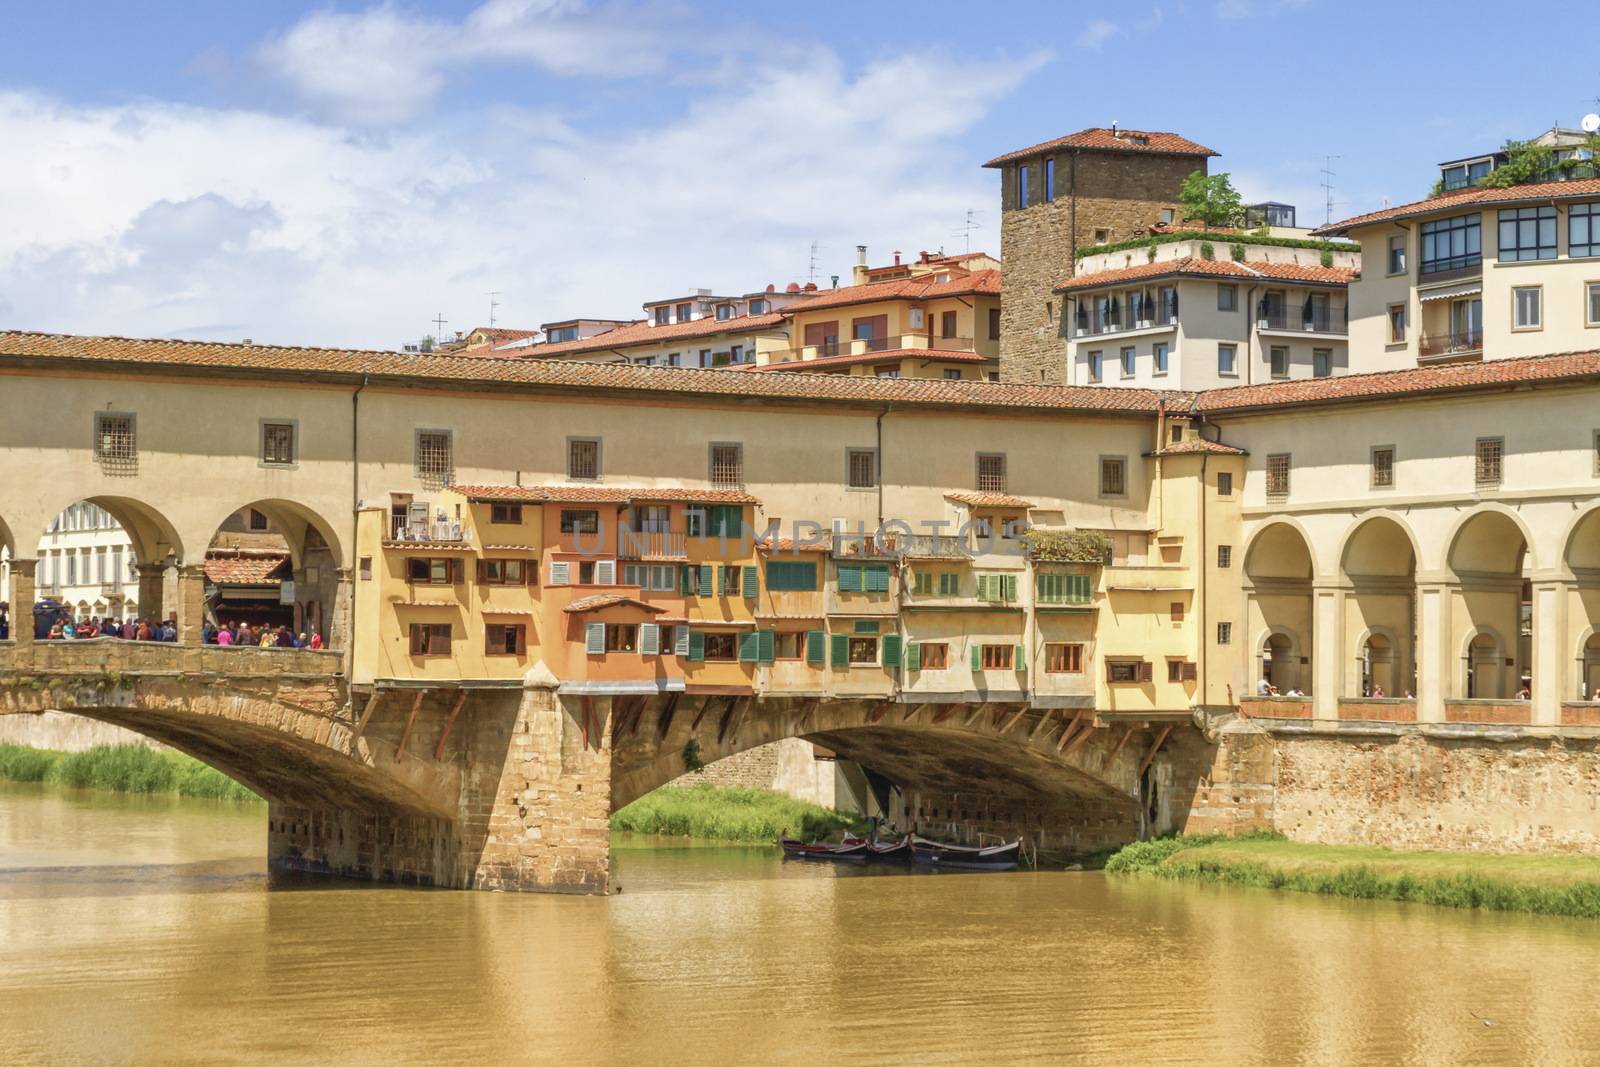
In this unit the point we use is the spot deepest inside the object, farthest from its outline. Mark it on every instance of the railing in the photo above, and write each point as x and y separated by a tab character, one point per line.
1453	269
1457	342
430	531
863	346
1092	324
641	544
927	546
1332	318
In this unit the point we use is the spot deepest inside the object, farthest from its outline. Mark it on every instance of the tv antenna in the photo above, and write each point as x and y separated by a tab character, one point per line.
811	271
965	233
438	326
1327	187
493	303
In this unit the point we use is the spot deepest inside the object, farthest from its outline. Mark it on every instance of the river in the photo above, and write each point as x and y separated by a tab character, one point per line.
138	930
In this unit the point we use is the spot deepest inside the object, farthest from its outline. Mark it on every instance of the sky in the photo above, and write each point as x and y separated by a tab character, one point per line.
344	174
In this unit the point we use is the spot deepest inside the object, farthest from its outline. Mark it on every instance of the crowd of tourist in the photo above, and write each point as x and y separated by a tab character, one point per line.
66	628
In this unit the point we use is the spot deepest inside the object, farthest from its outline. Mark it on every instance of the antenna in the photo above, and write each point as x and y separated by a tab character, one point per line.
493	303
965	233
438	327
1327	188
811	273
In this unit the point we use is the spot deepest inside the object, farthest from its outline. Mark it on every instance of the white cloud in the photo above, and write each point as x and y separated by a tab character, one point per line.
159	219
1233	9
1096	32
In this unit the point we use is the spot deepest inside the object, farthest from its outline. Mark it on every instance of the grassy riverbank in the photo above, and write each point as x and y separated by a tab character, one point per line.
723	814
1541	884
121	768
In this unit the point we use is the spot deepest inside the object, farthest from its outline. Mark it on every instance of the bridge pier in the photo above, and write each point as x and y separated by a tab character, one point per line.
22	593
152	588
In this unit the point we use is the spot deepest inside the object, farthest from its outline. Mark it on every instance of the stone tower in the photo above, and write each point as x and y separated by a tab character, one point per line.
1091	187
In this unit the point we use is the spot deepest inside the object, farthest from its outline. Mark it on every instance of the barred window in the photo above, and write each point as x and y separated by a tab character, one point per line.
1224	556
277	442
114	443
583	458
1383	467
1113	476
1278	476
1489	457
435	463
861	468
991	472
1224	633
727	465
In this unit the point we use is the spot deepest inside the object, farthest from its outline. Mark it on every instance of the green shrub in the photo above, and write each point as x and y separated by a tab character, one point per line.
1243	238
723	814
121	768
1206	251
1236	250
1067	546
1327	258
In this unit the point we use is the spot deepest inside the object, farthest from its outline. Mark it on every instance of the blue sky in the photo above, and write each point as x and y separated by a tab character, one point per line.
339	174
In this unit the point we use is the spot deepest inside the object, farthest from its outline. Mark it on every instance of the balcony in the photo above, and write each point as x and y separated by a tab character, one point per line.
1329	319
1454	269
1450	345
866	346
650	544
926	546
1096	324
423	532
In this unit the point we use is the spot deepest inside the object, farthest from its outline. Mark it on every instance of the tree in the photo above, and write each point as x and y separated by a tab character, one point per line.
1212	199
1525	162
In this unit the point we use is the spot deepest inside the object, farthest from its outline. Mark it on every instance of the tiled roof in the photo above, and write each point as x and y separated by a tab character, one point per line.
920	287
600	494
988	500
789	544
1197	446
1464	198
209	359
1494	373
1249	270
1104	139
864	358
642	333
496	335
609	600
245	568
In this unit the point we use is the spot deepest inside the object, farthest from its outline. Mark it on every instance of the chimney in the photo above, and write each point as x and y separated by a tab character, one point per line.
925	255
897	257
835	278
858	273
771	288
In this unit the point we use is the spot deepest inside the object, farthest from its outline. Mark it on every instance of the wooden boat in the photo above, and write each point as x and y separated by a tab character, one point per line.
851	850
898	851
930	853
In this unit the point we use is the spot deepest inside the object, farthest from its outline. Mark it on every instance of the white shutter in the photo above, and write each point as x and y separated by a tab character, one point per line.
605	572
680	642
595	639
649	639
560	572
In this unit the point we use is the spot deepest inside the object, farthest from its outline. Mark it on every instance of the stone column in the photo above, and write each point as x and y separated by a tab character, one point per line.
1433	659
1327	657
336	616
22	600
191	603
1549	657
151	586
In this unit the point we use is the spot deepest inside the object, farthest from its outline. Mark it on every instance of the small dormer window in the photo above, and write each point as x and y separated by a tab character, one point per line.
683	311
663	315
724	311
758	307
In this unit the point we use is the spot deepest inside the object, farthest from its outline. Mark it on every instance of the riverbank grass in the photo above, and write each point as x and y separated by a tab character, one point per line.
122	769
1542	884
717	813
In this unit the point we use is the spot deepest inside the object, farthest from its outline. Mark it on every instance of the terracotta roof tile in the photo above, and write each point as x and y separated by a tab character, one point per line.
988	500
789	544
864	358
642	332
1466	198
1104	139
920	287
600	494
245	568
497	335
609	600
553	376
1249	270
1197	446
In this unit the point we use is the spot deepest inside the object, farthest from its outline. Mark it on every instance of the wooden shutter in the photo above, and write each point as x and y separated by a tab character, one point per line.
680	641
766	646
866	626
815	646
1146	671
530	571
749	647
419	640
751	583
649	639
841	650
605	572
1019	660
1191	672
849	578
977	657
560	572
891	650
949	583
483	569
878	579
595	638
522	640
458	571
705	579
985	590
1008	587
697	647
913	656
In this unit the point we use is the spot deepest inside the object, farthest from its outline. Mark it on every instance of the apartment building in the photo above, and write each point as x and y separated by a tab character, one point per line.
1204	312
86	563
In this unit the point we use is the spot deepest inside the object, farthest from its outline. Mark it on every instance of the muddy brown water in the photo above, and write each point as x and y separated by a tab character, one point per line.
135	930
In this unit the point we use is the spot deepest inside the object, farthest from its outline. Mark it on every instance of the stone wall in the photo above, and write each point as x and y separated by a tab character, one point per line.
61	732
789	766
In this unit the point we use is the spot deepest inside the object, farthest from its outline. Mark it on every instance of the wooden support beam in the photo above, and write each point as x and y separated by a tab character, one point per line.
366	712
1161	738
411	720
912	711
975	714
877	713
1072	724
705	706
1016	717
944	713
732	717
1127	732
640	705
1046	718
438	750
808	711
668	709
1068	748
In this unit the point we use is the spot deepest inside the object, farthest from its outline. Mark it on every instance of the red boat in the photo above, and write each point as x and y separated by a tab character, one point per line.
851	850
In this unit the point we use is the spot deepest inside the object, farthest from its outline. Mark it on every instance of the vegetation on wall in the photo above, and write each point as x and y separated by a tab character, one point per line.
1244	238
1527	163
1067	546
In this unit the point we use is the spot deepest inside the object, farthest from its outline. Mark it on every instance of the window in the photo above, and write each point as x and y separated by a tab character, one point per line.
1397	254
1096	365
1101	236
586	572
1061	588
1113	476
1224	483
1049	177
657	577
947	324
793	576
935	656
257	521
863	650
1278	476
623	637
1175	610
1224	556
1278	361
580	520
863	577
505	639
1451	244
1159	351
114	443
1175	670
727	465
758	307
583	458
277	443
430	639
888	372
1225	359
1128	670
1527	304
505	514
503	571
1383	467
562	333
789	645
1489	458
724	311
1591	303
1321	362
726	520
1397	324
732	579
994	324
423	571
721	647
1583	230
1227	298
997	657
1063	658
1224	633
861	468
1166	216
1527	233
922	583
434	462
663	315
952	374
991	472
682	311
997	588
364	567
949	583
1128	356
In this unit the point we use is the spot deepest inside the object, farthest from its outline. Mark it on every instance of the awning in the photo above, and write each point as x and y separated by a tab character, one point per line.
1450	292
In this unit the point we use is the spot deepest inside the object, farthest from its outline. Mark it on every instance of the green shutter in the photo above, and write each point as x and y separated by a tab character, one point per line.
949	583
913	656
866	626
1008	588
680	641
595	638
766	646
751	583
841	650
705	579
697	647
977	658
1078	588
891	650
686	579
984	591
815	646
878	578
1019	660
849	578
749	647
921	583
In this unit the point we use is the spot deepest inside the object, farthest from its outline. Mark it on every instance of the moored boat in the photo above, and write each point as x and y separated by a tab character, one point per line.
1002	857
897	851
851	850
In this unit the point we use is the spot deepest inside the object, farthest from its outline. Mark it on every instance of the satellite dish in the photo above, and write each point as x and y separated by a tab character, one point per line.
1591	122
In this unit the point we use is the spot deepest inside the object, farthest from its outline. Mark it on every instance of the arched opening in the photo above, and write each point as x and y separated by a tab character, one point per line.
1491	611
1589	668
273	574
1583	560
1379	565
1277	580
104	563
